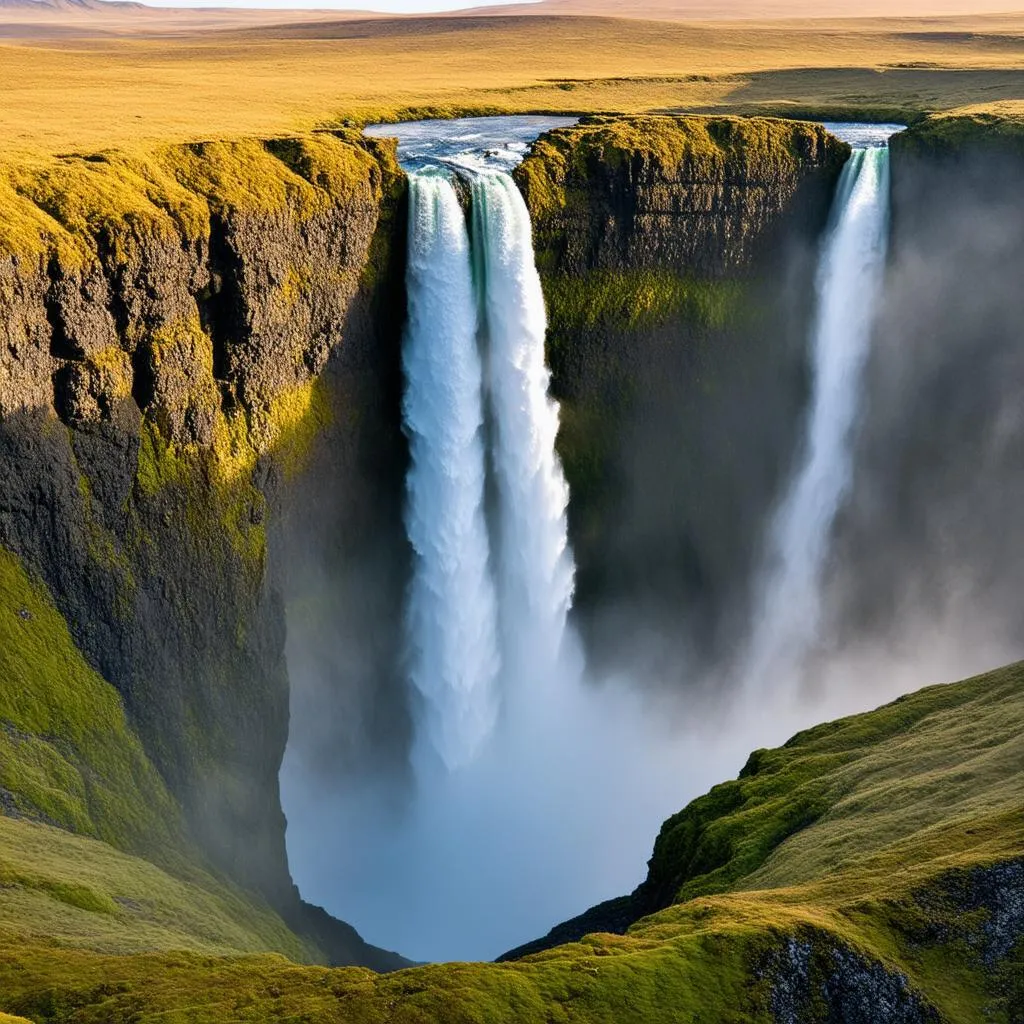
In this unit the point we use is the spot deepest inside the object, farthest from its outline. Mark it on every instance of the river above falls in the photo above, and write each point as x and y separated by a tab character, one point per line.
473	143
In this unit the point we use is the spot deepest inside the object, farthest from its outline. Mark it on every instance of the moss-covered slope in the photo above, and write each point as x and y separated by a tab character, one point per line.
94	851
897	899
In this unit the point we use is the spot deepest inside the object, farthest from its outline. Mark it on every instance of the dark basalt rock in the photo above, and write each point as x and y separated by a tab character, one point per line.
139	355
815	980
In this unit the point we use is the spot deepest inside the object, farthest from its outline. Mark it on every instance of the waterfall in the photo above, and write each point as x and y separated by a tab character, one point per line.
451	616
535	568
465	616
848	285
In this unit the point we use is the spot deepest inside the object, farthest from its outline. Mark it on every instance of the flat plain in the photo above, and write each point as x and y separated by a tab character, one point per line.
85	81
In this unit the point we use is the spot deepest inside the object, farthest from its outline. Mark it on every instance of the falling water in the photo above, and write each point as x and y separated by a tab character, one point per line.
451	614
848	284
535	567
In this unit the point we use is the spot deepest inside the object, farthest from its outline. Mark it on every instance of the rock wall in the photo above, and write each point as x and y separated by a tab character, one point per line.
677	255
164	324
705	196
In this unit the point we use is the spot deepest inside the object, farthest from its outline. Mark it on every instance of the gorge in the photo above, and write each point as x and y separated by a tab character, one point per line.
229	482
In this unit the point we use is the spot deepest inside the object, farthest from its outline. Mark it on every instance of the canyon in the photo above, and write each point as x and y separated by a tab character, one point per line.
201	433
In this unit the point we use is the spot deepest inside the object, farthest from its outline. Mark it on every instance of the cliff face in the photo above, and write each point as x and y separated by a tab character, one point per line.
199	364
677	255
163	322
704	196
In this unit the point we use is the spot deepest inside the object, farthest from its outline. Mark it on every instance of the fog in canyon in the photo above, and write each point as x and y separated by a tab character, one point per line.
470	761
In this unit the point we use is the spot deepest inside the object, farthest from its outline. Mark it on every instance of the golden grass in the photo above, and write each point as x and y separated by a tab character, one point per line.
86	94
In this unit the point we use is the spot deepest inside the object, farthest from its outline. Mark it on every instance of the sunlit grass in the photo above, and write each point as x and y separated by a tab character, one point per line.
91	94
910	797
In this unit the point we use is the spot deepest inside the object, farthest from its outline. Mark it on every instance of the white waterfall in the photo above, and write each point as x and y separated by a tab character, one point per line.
451	614
535	567
467	612
848	284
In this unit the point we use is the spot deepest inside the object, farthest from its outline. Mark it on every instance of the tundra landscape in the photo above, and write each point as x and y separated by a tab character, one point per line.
511	514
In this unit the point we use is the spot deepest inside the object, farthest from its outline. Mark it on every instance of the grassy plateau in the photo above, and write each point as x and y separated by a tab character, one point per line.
74	84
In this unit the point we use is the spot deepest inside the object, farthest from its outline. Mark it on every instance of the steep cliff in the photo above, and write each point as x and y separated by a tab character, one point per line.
164	319
199	413
677	256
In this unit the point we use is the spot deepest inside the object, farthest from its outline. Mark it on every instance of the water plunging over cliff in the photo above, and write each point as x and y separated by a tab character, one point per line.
451	617
451	624
537	784
848	285
535	568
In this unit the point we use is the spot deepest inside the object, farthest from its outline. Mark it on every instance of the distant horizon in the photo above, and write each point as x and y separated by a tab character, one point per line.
370	6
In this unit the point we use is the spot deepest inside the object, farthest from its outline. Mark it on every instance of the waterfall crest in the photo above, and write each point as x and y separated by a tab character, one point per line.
451	616
848	285
535	567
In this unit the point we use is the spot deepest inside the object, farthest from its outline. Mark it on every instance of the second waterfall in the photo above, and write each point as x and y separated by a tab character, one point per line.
490	594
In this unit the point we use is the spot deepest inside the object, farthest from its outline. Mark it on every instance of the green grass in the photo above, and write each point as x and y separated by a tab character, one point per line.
80	893
95	854
636	300
68	754
555	175
960	135
907	801
834	799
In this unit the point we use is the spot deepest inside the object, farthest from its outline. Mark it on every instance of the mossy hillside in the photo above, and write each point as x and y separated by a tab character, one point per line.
789	818
69	754
892	899
81	893
72	764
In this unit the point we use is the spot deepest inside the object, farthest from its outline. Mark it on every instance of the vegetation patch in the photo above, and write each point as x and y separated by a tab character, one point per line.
867	854
69	756
635	300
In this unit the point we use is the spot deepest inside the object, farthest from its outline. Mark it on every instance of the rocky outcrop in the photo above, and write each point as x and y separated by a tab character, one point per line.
703	196
815	979
677	255
164	321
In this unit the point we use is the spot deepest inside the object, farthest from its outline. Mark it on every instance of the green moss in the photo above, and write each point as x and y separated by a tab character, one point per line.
65	203
69	755
306	175
954	136
70	201
702	148
633	300
160	463
945	768
81	893
824	783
